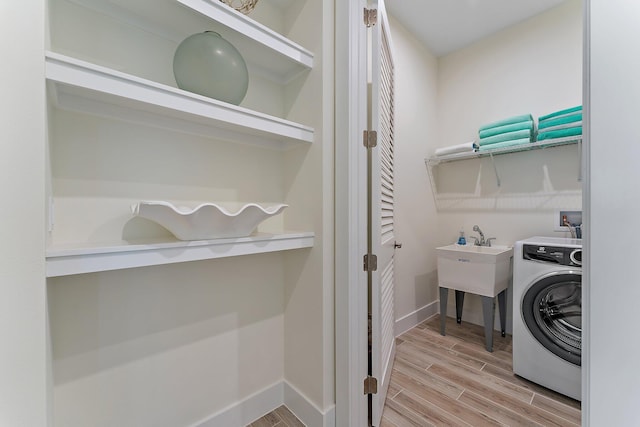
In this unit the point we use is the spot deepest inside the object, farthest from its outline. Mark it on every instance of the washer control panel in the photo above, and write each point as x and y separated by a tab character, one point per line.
553	254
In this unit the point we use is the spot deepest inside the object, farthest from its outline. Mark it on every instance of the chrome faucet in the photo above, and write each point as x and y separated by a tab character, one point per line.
482	241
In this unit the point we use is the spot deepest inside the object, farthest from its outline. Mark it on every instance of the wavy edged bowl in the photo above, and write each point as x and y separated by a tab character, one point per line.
206	221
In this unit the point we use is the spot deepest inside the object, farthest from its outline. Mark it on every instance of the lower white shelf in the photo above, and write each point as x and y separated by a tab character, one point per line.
90	258
548	143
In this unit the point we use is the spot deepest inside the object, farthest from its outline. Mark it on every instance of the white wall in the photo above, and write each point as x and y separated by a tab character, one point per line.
611	301
534	67
23	358
178	344
415	214
165	345
309	300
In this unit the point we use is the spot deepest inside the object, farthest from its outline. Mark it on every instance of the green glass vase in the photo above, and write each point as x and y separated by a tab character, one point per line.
208	65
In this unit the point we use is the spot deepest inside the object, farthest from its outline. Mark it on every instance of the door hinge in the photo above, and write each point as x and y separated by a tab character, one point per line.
370	17
370	138
370	262
370	385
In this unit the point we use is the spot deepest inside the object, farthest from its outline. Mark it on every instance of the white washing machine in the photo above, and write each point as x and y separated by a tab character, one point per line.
547	328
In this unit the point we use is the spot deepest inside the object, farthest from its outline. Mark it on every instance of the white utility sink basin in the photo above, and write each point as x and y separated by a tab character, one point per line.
482	270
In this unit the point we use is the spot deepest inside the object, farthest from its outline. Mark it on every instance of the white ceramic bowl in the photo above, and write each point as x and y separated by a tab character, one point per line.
206	221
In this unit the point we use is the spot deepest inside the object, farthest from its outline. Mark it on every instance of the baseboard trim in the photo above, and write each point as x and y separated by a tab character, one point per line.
413	319
248	410
305	410
266	400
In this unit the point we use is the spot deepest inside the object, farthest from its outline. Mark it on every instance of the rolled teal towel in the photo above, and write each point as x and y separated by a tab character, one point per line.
543	124
504	144
506	128
519	134
561	133
560	113
507	121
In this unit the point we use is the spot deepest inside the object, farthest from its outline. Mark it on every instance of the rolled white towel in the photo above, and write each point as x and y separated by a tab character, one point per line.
460	148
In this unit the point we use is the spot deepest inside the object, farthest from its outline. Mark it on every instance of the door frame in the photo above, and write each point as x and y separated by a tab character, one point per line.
350	243
586	213
350	214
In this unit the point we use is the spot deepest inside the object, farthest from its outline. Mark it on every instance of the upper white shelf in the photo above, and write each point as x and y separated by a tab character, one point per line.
91	258
523	147
81	86
265	50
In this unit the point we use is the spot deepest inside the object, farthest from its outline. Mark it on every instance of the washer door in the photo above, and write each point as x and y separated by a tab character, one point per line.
552	311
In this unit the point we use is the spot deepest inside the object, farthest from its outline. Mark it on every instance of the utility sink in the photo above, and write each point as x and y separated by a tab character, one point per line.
482	270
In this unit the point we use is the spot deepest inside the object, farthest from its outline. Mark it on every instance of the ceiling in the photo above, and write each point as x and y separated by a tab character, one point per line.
447	25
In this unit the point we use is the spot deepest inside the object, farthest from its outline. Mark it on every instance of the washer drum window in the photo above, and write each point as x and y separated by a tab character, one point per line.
552	311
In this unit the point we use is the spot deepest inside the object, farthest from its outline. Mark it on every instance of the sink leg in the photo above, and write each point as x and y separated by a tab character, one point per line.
444	294
502	305
488	311
459	304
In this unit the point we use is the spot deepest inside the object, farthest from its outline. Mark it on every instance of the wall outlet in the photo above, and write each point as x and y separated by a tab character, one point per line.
574	218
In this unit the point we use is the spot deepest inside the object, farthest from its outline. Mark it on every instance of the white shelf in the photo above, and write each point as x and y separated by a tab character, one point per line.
81	86
514	149
91	258
477	202
261	44
270	53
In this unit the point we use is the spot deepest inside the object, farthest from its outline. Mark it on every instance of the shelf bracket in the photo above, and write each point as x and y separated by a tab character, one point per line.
430	163
580	160
495	169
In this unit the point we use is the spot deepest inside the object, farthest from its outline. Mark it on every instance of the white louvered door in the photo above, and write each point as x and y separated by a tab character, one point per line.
381	204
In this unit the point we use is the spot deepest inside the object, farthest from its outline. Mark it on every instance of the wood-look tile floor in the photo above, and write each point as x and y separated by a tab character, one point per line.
280	417
454	381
